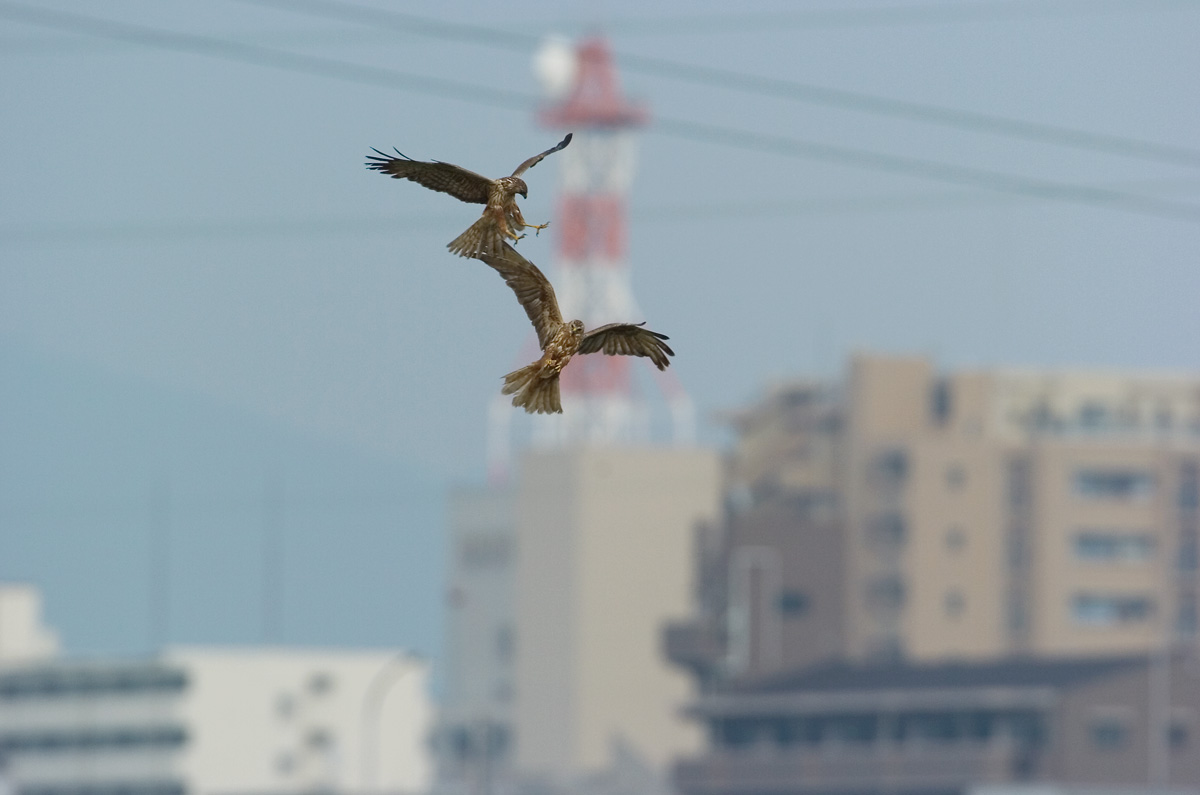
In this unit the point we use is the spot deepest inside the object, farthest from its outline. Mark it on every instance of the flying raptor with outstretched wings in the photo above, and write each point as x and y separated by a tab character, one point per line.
501	217
535	387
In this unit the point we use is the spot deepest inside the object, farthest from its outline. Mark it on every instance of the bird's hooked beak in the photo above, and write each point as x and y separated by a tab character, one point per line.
524	194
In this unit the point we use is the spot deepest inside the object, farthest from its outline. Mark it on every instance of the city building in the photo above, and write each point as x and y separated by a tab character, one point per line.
474	735
604	539
23	634
558	586
201	720
901	513
1088	724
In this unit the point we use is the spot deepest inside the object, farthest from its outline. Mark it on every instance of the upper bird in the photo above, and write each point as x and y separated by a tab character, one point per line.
501	218
536	385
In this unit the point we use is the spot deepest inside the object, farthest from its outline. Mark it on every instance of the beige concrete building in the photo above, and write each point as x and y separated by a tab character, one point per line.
603	559
976	514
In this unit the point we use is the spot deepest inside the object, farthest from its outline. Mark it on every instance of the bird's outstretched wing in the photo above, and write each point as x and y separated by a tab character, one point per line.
532	288
445	177
628	339
533	161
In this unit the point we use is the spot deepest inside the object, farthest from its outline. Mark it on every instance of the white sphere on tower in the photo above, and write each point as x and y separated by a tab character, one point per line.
555	65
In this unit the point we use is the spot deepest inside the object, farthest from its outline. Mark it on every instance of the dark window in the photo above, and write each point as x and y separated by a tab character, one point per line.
793	604
1108	609
1108	734
797	731
955	604
49	741
49	683
1178	736
483	551
891	466
956	539
887	530
1019	477
320	683
319	739
941	401
886	592
1116	484
505	643
737	732
162	787
1189	486
1093	415
1114	546
853	728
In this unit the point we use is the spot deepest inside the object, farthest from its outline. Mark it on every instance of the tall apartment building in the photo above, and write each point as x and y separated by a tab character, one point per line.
903	513
558	589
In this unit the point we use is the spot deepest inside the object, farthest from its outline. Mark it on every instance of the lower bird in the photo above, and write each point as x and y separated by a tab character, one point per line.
535	387
501	218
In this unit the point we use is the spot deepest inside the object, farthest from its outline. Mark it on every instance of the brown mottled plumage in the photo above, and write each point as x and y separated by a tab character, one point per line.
535	386
501	218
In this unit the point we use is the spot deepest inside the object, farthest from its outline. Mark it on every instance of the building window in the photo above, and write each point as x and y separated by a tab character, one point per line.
956	539
941	401
1185	622
484	551
1189	486
1178	736
736	732
956	477
886	593
91	682
792	604
890	467
887	531
1114	546
1108	734
954	603
505	643
1114	484
320	683
123	739
1105	610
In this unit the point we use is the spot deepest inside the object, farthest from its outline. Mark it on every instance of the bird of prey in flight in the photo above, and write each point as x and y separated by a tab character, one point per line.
501	218
535	387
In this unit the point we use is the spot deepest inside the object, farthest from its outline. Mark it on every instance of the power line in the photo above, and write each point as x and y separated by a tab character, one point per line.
930	169
257	55
883	16
776	88
771	87
678	128
332	226
912	111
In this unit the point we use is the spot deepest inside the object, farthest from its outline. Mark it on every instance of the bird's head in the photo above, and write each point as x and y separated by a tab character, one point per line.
520	187
577	328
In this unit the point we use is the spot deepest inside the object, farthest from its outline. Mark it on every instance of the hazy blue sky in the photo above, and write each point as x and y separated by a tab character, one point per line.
180	229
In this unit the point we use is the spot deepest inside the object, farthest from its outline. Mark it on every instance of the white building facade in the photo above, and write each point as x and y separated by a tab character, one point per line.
214	720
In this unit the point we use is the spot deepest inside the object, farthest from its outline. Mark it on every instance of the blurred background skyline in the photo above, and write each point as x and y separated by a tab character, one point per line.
207	298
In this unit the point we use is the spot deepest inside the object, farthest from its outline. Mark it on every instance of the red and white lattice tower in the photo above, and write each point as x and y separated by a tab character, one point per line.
600	403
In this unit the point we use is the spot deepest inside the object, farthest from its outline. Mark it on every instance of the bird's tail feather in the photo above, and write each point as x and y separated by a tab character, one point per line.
481	237
535	392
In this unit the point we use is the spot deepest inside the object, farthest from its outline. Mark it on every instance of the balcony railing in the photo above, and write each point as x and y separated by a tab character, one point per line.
853	768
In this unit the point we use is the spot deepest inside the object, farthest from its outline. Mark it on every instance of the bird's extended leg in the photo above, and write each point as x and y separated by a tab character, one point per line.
537	227
518	221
